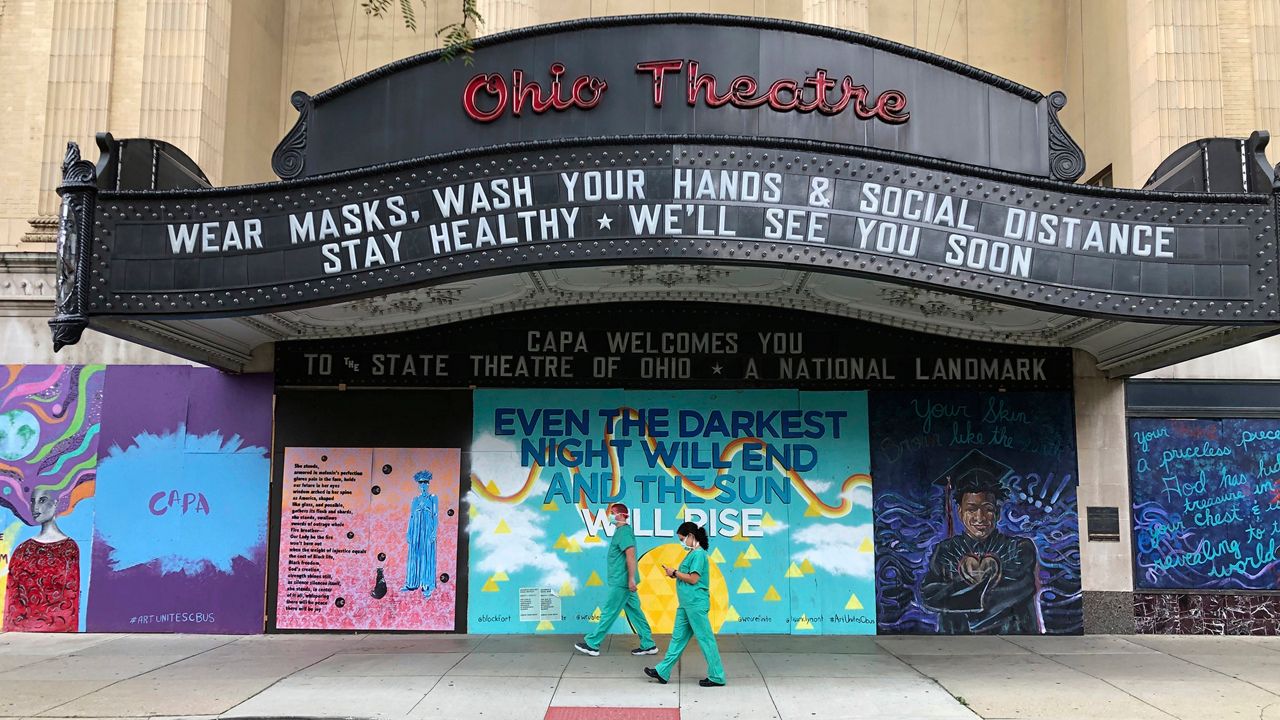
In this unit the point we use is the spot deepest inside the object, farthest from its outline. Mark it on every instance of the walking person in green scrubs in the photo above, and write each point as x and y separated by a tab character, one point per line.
623	581
693	590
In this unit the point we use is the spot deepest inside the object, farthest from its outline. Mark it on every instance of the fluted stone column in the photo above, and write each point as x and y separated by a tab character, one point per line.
184	78
844	14
502	15
79	91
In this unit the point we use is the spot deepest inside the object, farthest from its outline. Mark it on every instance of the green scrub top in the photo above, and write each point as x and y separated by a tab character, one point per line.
696	596
623	537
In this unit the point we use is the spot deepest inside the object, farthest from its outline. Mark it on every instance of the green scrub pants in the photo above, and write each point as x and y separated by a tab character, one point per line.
620	598
698	624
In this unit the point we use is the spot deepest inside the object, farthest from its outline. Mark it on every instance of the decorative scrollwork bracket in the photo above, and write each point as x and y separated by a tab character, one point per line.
290	156
79	193
1066	159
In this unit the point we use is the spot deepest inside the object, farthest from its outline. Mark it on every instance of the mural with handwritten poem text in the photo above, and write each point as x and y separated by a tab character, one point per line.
1206	507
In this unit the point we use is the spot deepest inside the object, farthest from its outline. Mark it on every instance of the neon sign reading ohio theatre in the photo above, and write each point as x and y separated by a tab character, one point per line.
489	96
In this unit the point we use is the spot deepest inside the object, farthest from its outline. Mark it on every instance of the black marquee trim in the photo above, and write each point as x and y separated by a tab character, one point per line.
762	142
78	191
1066	159
871	41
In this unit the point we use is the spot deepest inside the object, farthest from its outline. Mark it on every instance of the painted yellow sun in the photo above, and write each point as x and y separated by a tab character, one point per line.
658	592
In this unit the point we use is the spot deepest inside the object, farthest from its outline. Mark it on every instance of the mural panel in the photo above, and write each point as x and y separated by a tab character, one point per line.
1206	507
976	519
49	425
180	533
778	478
369	539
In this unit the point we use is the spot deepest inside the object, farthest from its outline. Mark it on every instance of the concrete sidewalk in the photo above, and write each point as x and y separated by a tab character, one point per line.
497	677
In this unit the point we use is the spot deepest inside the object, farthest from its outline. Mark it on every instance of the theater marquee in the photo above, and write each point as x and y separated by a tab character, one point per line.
679	144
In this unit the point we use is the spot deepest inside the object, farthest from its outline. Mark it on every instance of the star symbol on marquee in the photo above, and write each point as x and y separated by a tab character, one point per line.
606	222
715	369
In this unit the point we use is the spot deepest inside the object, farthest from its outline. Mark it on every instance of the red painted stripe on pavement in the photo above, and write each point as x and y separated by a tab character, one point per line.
611	713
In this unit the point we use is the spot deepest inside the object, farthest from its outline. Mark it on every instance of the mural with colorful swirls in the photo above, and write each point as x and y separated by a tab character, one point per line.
49	423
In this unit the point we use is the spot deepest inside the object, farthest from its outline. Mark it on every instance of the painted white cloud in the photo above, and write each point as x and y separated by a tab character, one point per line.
581	539
818	486
834	548
859	495
527	545
496	460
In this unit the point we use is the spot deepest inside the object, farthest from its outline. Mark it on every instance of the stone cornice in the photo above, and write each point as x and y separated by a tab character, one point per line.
26	278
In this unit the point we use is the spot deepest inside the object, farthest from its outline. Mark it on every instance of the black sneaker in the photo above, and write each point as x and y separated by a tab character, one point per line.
706	682
654	674
645	651
586	649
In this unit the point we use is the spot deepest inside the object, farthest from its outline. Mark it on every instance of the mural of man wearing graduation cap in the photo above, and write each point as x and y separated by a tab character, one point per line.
981	580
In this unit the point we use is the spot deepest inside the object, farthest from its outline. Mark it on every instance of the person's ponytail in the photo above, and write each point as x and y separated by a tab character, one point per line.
701	536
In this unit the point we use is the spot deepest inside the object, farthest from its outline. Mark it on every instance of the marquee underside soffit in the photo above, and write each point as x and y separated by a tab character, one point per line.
1122	348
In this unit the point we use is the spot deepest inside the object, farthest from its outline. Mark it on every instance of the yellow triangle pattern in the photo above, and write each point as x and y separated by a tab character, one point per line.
739	537
732	615
854	603
867	545
490	586
717	556
594	580
803	623
562	542
502	529
806	567
744	587
574	547
550	507
500	577
794	571
768	521
812	511
592	539
658	593
742	561
595	615
771	595
472	512
544	626
683	509
492	487
752	553
566	590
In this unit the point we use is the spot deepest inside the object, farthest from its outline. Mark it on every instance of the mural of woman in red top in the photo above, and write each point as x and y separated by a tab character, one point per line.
43	592
49	422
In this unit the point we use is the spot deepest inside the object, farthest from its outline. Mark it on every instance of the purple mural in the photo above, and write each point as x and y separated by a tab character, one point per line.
180	536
